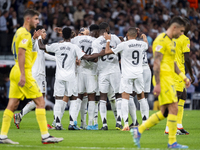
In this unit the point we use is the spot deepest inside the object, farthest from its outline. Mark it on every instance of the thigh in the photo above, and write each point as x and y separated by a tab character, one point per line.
126	85
91	83
147	80
115	81
41	81
104	83
81	83
59	88
71	88
138	84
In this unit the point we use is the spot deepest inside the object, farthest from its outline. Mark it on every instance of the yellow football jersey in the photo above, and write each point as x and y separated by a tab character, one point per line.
166	46
182	46
22	39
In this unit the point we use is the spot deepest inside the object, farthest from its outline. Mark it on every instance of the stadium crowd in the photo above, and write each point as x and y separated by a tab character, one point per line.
151	17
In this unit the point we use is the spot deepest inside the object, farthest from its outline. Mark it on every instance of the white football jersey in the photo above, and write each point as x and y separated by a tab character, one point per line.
65	54
85	43
131	57
145	60
39	64
109	63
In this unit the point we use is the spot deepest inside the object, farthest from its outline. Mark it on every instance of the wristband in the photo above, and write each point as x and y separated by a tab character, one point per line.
108	40
40	38
182	75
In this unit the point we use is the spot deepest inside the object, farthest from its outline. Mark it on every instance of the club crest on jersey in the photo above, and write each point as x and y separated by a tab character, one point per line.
158	48
24	41
188	45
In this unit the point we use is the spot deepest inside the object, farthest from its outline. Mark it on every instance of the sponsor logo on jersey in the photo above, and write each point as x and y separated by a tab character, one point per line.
158	48
24	41
188	45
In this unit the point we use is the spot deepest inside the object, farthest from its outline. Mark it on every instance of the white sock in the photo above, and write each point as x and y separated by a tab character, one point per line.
119	111
166	129
179	125
91	108
73	111
103	112
113	107
144	109
96	109
57	111
64	104
83	111
29	106
79	101
125	110
132	110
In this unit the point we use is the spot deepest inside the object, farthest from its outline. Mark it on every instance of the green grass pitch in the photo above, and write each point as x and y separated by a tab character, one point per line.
29	137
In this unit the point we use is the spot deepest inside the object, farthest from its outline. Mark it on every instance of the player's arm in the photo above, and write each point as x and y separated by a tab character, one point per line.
182	75
107	49
144	37
49	57
156	71
21	61
188	65
40	44
91	57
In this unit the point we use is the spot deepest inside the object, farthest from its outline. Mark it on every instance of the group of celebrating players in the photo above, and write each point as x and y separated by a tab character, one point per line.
90	67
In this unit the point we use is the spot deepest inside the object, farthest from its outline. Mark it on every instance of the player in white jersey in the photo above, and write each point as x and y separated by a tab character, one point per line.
38	72
131	64
86	72
66	82
109	71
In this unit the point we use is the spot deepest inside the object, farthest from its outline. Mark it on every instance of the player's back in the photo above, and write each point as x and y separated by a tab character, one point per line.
166	46
22	39
85	43
109	63
132	57
182	46
65	54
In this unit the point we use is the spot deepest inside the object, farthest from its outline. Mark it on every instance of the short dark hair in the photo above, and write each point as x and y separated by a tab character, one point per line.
67	33
94	27
103	25
187	26
39	27
132	31
31	12
177	19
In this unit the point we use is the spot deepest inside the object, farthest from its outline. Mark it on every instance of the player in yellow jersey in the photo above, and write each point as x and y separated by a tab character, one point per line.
22	84
182	57
164	69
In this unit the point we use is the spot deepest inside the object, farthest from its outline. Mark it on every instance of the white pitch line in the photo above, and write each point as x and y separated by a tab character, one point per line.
75	147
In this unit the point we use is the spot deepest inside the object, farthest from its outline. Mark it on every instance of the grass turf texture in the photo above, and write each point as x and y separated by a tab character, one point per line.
29	137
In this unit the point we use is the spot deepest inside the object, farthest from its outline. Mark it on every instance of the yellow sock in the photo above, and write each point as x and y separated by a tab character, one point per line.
153	120
172	123
156	105
41	119
180	111
7	117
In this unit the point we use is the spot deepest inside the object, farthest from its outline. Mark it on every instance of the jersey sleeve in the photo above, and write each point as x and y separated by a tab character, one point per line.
52	48
49	57
79	52
118	49
117	40
95	47
159	46
186	45
24	41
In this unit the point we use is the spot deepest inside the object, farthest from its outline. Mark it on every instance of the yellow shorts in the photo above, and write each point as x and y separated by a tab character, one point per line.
30	90
179	84
168	92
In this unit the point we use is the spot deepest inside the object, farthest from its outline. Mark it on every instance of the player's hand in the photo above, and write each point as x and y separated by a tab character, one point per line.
156	90
58	29
143	36
37	34
187	82
107	36
192	79
22	80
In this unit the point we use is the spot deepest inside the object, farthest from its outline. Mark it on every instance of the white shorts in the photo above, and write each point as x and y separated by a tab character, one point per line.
67	88
109	81
87	83
41	81
147	79
129	85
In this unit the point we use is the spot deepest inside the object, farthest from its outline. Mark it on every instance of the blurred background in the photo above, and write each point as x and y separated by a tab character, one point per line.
151	16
